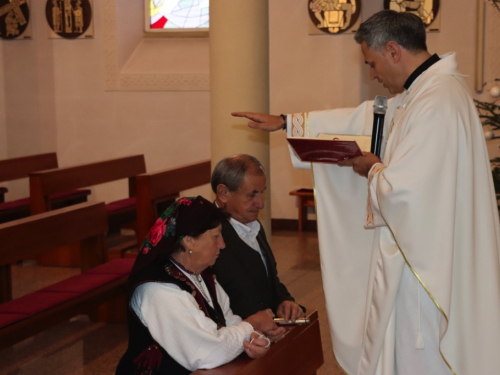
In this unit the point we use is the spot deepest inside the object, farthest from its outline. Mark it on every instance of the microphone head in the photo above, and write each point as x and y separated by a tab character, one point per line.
380	105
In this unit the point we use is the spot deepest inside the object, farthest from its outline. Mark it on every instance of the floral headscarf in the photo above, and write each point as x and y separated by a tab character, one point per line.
185	217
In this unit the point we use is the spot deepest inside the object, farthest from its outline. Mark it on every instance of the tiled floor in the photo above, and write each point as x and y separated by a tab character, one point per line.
83	347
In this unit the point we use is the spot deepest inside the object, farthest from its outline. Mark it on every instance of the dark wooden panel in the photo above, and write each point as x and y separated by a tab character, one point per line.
172	181
16	168
298	353
24	238
62	179
164	186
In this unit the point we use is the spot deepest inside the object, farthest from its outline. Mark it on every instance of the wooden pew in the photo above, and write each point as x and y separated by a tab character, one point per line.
100	282
298	353
156	191
120	212
17	168
3	191
28	237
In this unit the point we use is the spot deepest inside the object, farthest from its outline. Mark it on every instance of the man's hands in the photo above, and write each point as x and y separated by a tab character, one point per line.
262	121
262	321
289	310
362	164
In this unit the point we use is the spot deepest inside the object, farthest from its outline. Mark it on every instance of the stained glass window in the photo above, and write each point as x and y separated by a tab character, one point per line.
177	15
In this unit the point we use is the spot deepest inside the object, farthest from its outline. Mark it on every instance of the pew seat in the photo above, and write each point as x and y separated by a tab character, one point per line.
20	208
30	314
99	290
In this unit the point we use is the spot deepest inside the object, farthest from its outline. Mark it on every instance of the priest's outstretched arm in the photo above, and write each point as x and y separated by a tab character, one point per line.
354	121
262	121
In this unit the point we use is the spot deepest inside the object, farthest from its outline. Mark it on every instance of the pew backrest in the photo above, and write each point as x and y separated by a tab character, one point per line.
16	168
45	183
164	186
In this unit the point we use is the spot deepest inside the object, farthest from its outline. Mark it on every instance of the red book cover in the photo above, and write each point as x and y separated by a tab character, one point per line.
328	148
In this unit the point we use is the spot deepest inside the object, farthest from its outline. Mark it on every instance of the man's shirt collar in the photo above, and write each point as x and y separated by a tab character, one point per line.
249	230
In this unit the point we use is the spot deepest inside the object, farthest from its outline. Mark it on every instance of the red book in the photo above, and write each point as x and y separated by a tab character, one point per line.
330	148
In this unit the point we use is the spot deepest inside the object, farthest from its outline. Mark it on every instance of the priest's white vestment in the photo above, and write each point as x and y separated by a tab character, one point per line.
435	221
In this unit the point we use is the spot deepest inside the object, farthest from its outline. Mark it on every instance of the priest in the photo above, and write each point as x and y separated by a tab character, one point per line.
409	241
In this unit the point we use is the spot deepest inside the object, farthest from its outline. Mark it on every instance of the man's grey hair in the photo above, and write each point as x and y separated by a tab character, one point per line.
231	171
405	29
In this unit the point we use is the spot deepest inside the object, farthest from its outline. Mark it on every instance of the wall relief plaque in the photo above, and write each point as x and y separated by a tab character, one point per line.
14	19
334	16
69	18
427	10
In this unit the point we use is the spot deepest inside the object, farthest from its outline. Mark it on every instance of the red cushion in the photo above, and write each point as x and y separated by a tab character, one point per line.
25	202
69	193
55	294
83	283
36	302
15	204
121	266
122	204
8	318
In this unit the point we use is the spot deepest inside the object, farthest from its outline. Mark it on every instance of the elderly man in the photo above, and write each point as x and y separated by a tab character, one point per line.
246	268
410	254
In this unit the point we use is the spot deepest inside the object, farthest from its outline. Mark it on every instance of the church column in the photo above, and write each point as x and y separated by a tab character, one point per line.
239	81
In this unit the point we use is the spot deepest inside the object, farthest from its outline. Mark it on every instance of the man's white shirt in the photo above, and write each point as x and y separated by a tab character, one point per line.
248	234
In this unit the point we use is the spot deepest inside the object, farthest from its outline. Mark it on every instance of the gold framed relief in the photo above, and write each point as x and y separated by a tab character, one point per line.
15	19
334	16
69	19
427	10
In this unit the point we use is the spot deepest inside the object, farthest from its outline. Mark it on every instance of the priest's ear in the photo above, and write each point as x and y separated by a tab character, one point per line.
393	50
222	193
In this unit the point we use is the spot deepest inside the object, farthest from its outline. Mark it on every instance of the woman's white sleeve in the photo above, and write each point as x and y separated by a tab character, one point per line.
176	322
223	298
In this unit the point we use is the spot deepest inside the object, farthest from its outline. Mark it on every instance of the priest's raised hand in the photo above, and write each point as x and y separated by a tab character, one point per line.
262	121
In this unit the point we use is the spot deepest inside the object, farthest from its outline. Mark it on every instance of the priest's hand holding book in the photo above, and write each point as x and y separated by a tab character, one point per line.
355	156
361	164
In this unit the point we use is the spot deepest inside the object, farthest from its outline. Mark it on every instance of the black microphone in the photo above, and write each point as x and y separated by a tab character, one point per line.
379	109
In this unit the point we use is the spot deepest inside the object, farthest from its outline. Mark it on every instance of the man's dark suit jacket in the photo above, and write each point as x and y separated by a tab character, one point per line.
241	273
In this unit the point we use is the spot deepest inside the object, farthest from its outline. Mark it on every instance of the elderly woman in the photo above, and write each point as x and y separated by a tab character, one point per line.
179	316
